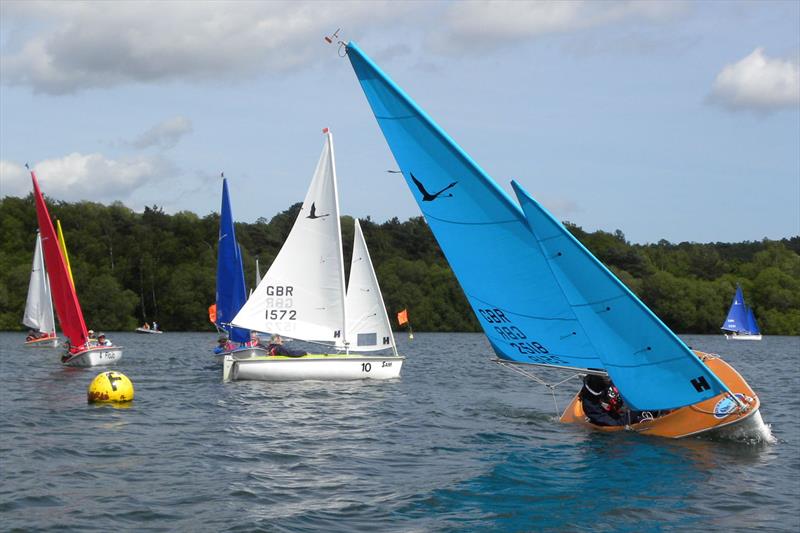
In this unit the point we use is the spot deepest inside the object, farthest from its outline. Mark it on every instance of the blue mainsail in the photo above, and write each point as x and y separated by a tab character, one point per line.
527	302
231	292
737	315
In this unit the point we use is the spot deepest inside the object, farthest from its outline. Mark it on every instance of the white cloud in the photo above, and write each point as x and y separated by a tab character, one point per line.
86	177
165	134
759	83
490	23
64	47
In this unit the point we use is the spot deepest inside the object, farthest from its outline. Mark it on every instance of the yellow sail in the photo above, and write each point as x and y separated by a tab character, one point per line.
63	245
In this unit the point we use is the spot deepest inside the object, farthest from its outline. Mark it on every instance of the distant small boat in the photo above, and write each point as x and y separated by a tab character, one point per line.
741	322
80	350
39	305
303	296
148	330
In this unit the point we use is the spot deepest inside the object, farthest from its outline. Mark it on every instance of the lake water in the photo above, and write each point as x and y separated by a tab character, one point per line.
456	444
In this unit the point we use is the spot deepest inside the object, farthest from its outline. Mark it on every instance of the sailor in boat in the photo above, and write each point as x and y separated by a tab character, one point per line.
276	347
102	341
146	326
92	339
603	405
224	345
155	325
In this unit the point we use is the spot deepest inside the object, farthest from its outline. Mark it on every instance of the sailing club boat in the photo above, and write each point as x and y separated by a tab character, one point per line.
39	305
303	296
542	299
741	322
231	291
80	352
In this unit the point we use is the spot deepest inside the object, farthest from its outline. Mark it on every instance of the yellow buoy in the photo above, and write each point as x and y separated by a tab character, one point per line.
110	386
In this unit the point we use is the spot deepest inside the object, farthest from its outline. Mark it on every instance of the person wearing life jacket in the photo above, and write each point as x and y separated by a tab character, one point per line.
276	347
601	402
224	345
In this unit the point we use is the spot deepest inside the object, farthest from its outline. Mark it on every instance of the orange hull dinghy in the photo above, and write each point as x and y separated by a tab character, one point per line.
712	414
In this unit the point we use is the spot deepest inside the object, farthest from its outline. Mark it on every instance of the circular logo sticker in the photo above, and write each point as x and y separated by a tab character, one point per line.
726	406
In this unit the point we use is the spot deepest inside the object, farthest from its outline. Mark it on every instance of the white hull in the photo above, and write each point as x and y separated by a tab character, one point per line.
334	367
50	342
734	337
95	356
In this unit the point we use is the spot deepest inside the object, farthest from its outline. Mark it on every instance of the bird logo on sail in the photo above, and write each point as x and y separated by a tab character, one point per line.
428	197
314	214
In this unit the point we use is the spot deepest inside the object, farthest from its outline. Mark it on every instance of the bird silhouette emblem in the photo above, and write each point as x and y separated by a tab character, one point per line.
428	197
314	214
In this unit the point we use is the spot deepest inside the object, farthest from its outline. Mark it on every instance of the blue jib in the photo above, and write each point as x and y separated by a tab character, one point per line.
231	292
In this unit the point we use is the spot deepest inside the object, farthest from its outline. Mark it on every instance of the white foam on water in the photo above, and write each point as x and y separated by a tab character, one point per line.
752	431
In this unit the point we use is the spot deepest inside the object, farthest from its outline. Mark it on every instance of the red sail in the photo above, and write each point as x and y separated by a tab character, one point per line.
65	299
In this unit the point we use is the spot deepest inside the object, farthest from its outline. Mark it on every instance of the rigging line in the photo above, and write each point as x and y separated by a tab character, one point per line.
488	223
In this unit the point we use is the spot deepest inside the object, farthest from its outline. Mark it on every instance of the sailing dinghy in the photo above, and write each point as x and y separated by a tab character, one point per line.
542	299
303	296
740	324
80	352
39	305
231	292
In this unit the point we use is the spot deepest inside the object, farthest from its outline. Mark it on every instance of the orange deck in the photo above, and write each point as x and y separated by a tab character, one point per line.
704	416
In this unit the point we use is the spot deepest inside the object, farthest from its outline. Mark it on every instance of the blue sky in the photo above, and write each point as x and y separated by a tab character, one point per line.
663	119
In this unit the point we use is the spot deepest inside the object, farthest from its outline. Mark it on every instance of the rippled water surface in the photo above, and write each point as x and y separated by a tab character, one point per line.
456	444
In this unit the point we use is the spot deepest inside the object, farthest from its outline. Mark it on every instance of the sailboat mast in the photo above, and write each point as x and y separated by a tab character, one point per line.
339	241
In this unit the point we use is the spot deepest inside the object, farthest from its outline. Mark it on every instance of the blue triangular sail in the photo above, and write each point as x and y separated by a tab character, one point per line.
737	314
231	292
649	364
505	271
752	325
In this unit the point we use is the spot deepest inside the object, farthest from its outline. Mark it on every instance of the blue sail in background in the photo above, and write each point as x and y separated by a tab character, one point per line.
752	325
529	307
737	315
231	293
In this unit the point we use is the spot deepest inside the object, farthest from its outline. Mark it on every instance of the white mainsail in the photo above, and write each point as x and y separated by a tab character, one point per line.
302	295
368	326
39	306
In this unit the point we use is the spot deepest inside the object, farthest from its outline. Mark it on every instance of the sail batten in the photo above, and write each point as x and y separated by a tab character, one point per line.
530	266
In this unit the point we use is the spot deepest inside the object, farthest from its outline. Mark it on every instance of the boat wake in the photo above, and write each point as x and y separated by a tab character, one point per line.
752	431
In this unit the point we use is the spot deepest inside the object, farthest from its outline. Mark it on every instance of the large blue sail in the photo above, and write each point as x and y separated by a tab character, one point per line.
505	273
231	292
737	314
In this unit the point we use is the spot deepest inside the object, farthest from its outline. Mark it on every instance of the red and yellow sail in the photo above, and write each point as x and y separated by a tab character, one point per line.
65	299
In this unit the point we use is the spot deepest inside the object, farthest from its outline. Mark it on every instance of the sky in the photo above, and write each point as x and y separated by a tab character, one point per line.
666	120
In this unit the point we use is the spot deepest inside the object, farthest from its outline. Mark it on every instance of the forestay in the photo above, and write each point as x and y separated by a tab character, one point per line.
368	326
231	292
505	271
39	305
302	294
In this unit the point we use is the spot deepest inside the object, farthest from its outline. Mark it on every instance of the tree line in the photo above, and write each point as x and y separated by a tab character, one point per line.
133	267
